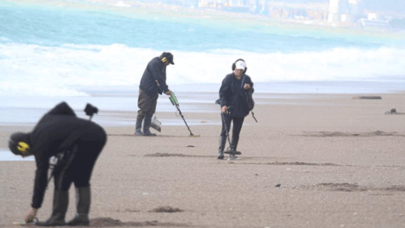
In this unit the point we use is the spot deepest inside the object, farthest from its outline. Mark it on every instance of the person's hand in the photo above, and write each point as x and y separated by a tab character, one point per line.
168	93
29	217
224	109
246	86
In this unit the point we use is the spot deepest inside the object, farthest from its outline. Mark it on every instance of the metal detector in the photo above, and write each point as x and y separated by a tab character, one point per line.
230	150
175	102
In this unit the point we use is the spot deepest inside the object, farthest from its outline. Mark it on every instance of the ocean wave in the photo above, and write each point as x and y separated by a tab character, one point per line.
102	22
52	71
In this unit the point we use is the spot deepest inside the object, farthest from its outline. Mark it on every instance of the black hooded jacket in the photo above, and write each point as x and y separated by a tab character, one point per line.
233	95
57	131
155	70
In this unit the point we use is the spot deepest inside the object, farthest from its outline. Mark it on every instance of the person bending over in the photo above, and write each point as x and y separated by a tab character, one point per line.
77	143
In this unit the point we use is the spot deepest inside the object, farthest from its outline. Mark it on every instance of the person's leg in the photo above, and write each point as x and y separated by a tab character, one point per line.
146	125
138	125
89	153
86	159
141	115
59	208
62	180
83	202
237	127
150	109
226	124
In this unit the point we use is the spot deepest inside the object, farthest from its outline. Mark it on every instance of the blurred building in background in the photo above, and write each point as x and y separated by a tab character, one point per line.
345	10
276	9
242	6
353	13
294	11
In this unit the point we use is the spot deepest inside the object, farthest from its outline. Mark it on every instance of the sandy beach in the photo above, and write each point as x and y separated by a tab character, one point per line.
338	162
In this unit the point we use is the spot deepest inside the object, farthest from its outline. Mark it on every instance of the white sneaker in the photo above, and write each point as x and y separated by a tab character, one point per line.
233	157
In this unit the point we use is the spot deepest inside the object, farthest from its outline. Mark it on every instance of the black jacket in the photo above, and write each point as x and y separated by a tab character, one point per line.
155	70
56	132
232	94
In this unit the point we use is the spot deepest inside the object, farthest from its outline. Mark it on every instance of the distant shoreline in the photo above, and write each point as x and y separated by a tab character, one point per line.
174	11
207	12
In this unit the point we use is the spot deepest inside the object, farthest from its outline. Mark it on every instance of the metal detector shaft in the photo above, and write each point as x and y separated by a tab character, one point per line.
174	102
184	120
226	128
56	159
230	150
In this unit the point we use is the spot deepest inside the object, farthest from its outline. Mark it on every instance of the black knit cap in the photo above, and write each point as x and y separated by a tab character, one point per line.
169	56
15	139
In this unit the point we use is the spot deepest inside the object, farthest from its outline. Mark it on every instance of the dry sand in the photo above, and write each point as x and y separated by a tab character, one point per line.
339	162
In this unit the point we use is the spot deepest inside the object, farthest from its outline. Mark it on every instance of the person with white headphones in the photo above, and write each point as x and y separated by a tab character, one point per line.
234	106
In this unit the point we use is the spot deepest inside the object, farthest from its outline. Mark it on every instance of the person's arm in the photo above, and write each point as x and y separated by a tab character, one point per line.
62	109
248	84
30	216
223	93
251	85
41	179
40	183
159	76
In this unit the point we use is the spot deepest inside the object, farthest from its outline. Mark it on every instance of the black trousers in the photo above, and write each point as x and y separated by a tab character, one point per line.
77	164
147	107
147	103
237	127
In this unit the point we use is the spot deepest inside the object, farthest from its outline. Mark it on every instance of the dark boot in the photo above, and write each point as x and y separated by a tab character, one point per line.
60	205
222	142
138	125
146	125
234	143
83	199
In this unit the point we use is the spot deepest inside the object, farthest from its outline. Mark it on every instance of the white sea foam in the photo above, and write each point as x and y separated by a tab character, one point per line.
122	4
59	71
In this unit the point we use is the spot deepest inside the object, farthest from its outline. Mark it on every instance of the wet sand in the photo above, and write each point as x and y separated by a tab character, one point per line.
338	162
